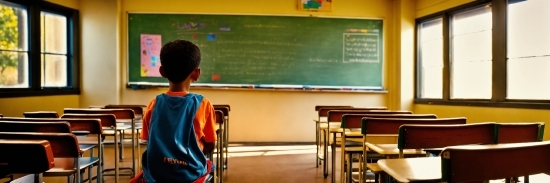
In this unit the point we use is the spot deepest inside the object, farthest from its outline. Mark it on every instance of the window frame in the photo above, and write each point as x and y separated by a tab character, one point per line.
34	8
499	62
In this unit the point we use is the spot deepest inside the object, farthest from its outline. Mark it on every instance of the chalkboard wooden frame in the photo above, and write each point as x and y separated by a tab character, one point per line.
285	87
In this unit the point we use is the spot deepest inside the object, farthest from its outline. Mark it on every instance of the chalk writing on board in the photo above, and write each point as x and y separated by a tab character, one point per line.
360	47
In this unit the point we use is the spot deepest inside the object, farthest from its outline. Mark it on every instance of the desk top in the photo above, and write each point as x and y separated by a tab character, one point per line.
412	169
391	149
322	119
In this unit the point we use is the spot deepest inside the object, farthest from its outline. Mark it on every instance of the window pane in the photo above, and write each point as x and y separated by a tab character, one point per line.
13	46
431	59
471	54
54	33
54	50
528	50
54	70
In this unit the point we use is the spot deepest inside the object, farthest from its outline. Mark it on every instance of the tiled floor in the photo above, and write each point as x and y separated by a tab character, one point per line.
264	164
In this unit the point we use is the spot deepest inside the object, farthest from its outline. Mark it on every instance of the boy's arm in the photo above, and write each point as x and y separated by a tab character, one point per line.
209	138
146	120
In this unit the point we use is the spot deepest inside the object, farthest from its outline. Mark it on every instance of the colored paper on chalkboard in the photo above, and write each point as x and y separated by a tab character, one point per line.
315	5
211	37
150	62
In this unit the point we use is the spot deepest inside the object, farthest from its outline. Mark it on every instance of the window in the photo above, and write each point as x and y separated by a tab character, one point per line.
528	53
471	54
493	53
431	58
13	46
37	49
54	50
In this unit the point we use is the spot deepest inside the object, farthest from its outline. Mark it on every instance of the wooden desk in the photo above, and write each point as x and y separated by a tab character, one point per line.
391	150
413	169
334	128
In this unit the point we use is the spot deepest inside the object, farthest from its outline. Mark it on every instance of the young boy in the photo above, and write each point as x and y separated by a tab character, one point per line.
177	125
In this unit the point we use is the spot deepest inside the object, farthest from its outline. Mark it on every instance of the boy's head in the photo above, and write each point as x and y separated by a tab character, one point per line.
179	60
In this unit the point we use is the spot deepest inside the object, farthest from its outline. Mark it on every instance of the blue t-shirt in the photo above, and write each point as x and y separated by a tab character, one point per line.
173	153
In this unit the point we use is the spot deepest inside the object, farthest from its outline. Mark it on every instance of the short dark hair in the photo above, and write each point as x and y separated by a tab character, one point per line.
178	59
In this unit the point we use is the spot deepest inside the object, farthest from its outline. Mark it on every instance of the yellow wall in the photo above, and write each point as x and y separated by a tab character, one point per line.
16	106
68	3
99	47
475	114
264	115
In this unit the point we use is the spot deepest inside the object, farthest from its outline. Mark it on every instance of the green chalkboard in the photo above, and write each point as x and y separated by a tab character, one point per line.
263	50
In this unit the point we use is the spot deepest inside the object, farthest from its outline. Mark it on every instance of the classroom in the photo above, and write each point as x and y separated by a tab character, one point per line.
481	89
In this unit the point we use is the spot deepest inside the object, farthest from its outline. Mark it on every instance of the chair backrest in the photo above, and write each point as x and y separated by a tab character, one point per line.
391	125
64	145
319	107
219	116
92	126
414	136
354	120
119	113
336	115
38	126
519	132
107	120
324	111
25	157
222	106
481	163
224	110
41	114
138	109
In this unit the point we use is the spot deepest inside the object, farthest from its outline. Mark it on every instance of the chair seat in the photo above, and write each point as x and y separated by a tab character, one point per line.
86	147
349	144
65	166
374	168
87	140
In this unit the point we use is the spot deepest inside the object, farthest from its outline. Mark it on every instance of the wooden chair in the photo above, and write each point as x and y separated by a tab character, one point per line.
123	116
321	119
225	143
41	114
220	144
475	163
39	127
351	122
412	136
65	150
388	126
108	123
318	107
334	118
138	113
56	125
25	157
520	132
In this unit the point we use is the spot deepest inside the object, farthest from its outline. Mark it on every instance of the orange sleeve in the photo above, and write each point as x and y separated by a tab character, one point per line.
205	119
147	120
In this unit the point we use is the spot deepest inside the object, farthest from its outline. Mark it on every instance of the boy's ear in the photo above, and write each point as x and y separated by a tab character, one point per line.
161	70
196	74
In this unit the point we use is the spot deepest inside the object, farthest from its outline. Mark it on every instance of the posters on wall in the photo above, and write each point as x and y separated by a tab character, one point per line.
150	55
315	5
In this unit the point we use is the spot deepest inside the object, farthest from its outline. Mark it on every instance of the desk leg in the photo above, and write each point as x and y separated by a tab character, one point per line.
38	178
325	152
333	153
133	149
317	144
